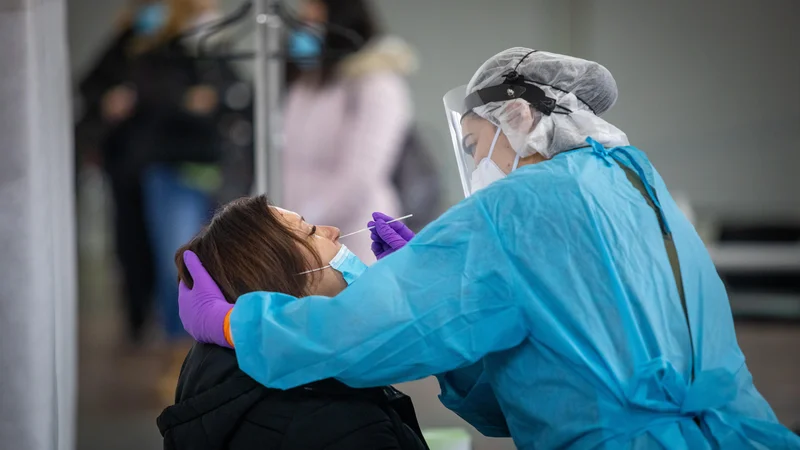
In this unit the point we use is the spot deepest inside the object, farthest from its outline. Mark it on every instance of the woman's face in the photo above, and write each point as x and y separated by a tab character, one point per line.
314	12
325	241
478	136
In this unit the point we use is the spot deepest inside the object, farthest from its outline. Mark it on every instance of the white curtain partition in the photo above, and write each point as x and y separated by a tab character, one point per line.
37	230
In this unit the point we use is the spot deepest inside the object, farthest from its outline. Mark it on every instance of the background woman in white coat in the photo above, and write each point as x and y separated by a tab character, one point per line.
347	116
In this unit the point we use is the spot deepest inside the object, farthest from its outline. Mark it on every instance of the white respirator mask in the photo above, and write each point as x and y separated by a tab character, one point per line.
488	171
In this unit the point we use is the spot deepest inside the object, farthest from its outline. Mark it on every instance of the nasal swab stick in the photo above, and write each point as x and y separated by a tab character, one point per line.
370	228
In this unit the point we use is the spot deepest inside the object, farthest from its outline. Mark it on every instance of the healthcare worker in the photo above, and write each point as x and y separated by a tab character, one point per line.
566	303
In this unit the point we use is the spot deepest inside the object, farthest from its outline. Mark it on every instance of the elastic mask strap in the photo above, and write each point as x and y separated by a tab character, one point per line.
491	150
494	142
314	270
516	163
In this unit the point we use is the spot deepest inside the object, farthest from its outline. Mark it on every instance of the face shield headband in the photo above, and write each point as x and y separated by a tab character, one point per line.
513	87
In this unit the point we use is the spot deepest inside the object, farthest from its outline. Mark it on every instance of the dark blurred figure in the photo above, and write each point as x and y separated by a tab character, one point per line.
173	133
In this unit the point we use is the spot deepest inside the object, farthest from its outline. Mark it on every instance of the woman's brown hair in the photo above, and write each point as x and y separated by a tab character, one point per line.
246	248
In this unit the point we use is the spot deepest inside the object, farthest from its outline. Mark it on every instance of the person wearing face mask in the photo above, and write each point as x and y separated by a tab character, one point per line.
173	145
565	303
348	113
155	116
252	246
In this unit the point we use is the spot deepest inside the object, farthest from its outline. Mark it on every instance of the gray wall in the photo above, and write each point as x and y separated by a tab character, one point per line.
710	90
90	24
707	89
37	232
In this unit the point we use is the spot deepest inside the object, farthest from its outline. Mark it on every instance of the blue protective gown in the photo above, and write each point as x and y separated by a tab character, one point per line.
547	305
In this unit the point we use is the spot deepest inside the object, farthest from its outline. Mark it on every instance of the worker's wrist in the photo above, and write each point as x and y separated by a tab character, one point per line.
226	328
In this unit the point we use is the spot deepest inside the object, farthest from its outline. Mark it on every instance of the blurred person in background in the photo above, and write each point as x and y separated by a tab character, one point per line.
348	115
167	133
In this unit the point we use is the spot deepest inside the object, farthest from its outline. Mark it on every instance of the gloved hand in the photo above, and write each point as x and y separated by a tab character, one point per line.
388	238
203	309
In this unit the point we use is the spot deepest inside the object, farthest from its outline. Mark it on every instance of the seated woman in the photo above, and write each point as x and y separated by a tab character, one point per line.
251	246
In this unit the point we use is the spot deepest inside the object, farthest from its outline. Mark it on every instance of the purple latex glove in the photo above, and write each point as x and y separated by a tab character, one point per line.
388	238
203	308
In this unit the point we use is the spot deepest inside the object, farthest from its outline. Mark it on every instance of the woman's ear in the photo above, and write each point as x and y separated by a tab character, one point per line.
517	119
520	117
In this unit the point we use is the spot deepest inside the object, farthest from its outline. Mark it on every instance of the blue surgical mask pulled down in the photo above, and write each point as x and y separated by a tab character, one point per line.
150	18
346	263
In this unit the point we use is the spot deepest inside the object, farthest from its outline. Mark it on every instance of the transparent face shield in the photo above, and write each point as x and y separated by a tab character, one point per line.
457	103
455	108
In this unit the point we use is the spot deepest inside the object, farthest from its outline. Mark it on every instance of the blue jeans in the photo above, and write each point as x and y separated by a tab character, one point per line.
175	213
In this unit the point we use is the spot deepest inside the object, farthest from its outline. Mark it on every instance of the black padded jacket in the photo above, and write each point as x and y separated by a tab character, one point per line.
218	407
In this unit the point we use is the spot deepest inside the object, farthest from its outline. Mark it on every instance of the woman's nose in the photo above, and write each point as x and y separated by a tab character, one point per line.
331	233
